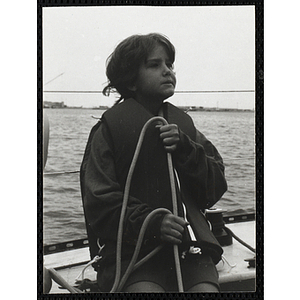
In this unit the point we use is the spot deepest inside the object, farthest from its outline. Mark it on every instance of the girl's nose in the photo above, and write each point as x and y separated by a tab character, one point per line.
166	71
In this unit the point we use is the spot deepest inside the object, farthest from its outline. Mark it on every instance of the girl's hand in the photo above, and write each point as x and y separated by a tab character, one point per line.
172	229
170	136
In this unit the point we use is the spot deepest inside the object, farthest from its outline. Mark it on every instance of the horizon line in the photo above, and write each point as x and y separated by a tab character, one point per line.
179	92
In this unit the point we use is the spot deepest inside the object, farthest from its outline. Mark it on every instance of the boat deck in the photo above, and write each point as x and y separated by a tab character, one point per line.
235	278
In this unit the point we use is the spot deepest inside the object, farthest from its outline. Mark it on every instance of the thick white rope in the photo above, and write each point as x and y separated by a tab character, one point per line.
116	284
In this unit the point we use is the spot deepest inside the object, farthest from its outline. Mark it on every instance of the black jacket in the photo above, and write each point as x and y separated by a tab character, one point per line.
105	167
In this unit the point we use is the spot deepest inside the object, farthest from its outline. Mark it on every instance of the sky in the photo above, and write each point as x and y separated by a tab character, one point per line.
215	50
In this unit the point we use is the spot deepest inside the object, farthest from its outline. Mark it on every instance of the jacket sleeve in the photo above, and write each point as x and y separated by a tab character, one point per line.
200	169
103	196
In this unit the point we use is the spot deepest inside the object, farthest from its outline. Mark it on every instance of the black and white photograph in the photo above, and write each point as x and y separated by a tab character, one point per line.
149	150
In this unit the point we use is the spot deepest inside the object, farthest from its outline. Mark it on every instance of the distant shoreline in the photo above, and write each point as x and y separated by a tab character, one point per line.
61	105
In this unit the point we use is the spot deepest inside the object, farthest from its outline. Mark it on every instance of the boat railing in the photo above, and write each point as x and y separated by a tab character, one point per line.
81	243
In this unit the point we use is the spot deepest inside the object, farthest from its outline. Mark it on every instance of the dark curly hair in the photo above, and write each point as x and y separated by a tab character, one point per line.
123	64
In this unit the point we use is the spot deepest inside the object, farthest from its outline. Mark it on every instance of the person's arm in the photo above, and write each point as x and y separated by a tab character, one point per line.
103	195
199	165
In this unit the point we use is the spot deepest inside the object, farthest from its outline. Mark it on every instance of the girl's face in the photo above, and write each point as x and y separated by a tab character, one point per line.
156	80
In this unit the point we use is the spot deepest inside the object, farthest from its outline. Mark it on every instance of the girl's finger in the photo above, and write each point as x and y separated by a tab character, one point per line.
171	239
170	141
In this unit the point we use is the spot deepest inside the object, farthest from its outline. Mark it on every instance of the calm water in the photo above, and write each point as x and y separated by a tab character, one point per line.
231	132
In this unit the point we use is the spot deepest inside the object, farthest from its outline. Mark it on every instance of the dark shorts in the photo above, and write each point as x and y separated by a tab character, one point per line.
160	269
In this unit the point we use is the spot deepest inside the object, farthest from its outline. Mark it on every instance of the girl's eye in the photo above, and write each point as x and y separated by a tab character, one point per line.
157	65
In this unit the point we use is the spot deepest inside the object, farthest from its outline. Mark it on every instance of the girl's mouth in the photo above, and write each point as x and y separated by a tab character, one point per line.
169	83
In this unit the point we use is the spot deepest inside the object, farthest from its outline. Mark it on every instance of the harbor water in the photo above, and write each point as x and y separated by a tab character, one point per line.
232	132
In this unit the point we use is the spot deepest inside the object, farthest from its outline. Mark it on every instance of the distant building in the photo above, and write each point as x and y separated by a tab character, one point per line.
49	104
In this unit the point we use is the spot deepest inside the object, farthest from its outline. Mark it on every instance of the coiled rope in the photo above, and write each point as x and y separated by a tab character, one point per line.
118	283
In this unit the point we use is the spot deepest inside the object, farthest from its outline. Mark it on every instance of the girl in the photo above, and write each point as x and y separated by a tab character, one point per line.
141	70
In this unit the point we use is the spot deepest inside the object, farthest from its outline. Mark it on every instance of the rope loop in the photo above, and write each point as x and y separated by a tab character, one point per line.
117	283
